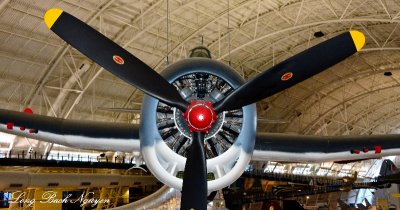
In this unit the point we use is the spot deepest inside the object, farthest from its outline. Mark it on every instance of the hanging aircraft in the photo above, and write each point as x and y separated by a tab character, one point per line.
198	115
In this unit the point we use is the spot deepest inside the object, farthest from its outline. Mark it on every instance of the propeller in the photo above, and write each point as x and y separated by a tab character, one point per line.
112	57
194	189
121	63
200	115
211	196
293	70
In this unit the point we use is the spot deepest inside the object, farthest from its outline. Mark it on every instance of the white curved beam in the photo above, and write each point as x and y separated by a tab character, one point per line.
355	119
120	35
195	33
339	82
378	122
4	4
338	106
380	49
307	25
54	63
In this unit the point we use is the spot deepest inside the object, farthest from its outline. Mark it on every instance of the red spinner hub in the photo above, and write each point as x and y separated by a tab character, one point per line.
200	116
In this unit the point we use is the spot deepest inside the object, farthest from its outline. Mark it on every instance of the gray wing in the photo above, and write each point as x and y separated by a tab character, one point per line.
306	148
73	133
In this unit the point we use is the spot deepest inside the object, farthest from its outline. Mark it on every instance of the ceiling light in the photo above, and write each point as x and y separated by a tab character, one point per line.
388	73
319	34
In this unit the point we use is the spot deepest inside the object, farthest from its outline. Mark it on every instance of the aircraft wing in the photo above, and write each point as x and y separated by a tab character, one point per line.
73	133
306	148
124	137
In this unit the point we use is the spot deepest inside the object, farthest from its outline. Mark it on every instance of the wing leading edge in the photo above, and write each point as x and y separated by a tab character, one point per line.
124	137
306	148
82	134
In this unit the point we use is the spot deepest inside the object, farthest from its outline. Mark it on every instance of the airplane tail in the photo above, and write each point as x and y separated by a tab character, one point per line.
388	168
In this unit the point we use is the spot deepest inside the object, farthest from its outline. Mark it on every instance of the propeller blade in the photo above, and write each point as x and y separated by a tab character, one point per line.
112	57
194	189
293	70
211	196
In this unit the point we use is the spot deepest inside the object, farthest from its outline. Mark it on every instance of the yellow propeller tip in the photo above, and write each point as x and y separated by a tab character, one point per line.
358	39
51	16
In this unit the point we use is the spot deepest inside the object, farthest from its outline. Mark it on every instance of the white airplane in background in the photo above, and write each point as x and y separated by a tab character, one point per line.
199	116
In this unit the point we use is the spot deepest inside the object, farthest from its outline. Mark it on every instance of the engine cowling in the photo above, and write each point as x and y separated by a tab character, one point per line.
165	135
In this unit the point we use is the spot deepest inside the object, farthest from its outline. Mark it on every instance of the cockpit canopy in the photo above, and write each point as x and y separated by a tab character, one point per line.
200	51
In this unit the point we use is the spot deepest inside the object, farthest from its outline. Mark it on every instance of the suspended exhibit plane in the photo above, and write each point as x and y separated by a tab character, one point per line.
199	115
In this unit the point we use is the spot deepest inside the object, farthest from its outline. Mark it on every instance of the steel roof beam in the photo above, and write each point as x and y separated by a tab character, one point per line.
59	56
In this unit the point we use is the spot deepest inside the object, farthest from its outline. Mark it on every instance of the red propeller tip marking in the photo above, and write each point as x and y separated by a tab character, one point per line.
117	59
287	76
200	116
